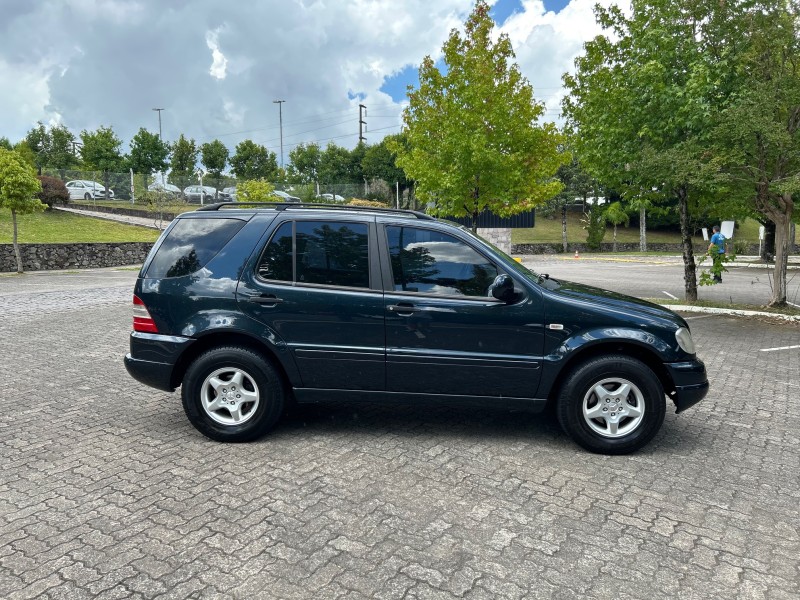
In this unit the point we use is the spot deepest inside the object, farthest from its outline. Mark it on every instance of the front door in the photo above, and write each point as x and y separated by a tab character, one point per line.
444	334
315	287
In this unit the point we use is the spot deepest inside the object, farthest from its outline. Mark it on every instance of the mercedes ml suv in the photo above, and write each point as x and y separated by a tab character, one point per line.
249	307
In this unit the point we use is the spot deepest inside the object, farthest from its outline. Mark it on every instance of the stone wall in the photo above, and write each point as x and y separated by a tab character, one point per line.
44	257
499	236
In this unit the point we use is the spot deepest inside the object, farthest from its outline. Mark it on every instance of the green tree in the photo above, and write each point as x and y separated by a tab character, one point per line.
594	223
474	141
148	153
577	184
640	106
254	161
5	143
53	148
18	189
757	137
24	151
184	157
101	150
616	215
335	165
214	156
62	148
255	190
306	159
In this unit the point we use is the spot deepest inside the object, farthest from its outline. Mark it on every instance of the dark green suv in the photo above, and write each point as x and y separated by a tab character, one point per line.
246	308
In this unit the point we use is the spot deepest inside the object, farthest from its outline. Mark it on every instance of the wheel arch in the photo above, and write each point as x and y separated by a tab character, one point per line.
219	339
625	348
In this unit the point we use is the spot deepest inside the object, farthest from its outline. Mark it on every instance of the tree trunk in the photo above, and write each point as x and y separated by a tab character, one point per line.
105	183
564	227
642	229
615	237
782	220
689	268
16	245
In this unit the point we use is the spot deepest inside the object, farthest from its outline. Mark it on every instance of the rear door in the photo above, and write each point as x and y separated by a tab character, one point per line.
444	333
317	286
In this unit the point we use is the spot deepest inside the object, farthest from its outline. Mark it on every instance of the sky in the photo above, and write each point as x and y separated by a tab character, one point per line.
216	67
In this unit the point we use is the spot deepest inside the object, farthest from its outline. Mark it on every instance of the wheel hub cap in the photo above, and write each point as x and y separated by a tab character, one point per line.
613	407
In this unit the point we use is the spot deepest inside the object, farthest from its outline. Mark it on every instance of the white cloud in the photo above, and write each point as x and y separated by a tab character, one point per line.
108	62
219	63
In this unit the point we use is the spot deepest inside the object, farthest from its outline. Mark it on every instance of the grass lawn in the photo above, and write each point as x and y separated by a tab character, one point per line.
56	227
549	231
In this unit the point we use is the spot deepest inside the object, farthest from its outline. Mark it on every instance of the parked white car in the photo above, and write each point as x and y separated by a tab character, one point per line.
81	189
200	193
331	197
283	196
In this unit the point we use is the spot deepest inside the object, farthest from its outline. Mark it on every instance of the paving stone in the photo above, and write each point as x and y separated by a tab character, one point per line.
106	491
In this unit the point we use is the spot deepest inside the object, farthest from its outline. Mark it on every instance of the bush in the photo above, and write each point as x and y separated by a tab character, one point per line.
595	226
53	191
372	203
255	190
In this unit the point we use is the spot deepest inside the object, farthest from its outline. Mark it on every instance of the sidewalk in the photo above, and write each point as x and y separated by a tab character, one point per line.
151	223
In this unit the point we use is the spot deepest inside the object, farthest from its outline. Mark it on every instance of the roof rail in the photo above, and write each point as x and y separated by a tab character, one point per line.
281	206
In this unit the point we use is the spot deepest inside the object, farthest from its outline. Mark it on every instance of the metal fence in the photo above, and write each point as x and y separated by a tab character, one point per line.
128	186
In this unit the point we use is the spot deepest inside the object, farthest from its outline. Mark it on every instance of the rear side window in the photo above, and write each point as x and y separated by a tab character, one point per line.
190	244
318	252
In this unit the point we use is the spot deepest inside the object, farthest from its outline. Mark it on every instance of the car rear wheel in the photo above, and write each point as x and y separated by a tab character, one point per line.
232	394
611	404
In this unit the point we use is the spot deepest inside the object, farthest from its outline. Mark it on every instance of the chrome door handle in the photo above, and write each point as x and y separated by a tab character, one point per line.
404	310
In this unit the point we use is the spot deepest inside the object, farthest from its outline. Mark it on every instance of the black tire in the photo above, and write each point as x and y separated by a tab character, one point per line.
260	381
623	432
87	196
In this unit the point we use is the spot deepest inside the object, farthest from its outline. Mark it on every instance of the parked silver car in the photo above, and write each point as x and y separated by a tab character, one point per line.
228	194
157	186
200	193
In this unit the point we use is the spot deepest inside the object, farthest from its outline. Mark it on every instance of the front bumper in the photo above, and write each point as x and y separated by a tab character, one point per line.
691	383
153	357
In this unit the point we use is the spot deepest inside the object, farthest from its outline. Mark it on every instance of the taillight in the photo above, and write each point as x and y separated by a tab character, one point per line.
142	321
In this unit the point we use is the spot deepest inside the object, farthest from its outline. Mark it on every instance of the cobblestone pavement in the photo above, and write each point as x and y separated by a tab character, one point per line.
106	491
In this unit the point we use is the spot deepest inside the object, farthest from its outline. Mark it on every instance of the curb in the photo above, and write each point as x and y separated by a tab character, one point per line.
731	311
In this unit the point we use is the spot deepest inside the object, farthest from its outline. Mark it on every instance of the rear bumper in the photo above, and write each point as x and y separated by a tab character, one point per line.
153	357
691	383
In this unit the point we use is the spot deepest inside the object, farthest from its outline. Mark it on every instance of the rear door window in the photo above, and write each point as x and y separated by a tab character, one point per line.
318	252
190	244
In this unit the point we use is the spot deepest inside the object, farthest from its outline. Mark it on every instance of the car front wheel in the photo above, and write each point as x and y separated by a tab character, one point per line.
232	394
87	196
611	405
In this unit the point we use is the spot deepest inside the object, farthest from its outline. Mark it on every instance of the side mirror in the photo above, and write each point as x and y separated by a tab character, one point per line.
502	288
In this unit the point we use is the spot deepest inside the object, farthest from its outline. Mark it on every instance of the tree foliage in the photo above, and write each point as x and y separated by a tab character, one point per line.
101	150
148	153
184	157
639	106
53	147
214	156
474	142
255	190
254	161
306	159
18	189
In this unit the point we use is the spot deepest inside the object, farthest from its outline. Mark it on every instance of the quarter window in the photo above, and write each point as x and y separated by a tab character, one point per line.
319	252
436	263
190	244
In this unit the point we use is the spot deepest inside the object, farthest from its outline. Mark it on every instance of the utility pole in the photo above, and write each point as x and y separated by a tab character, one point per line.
158	110
280	121
362	124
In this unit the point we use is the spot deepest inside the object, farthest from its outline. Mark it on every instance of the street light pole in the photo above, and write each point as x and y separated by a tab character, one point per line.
158	110
280	119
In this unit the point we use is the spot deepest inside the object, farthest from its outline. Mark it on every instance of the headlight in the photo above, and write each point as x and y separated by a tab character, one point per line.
685	340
